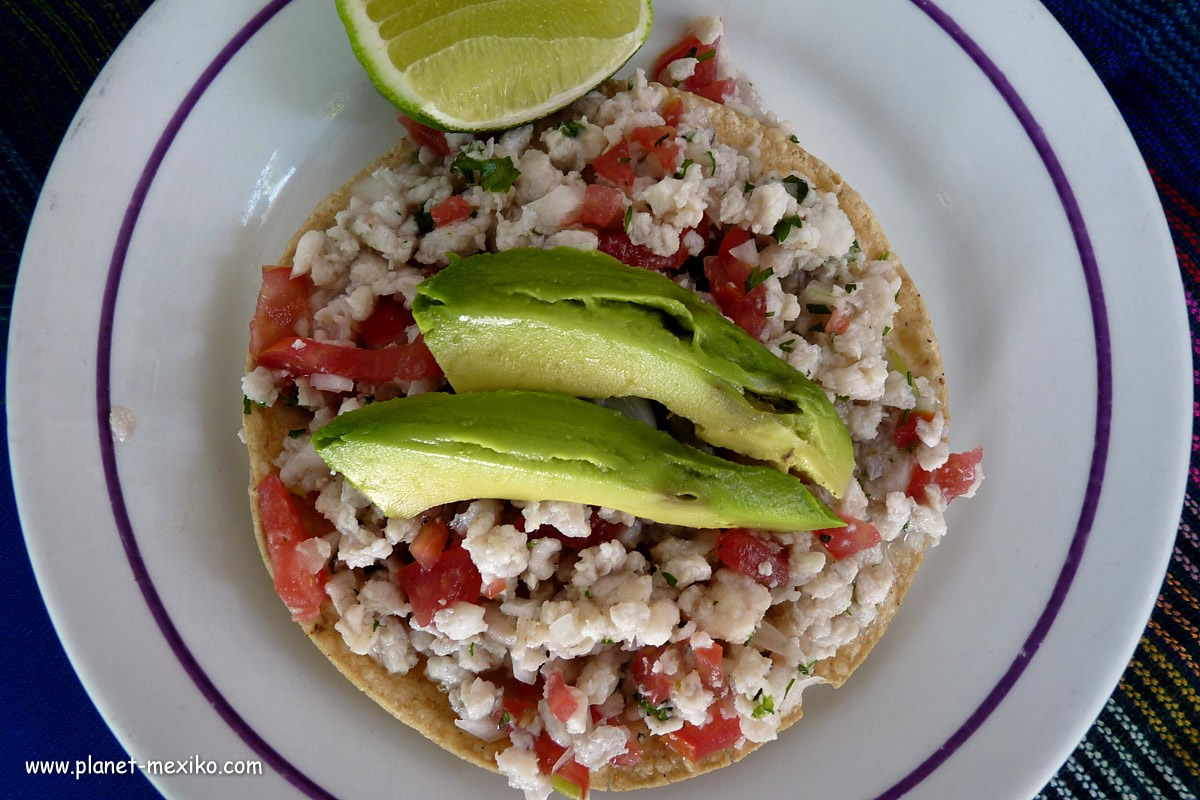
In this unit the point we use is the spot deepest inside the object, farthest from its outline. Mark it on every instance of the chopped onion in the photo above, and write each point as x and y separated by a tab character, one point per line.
768	637
330	383
818	294
635	408
485	729
567	755
746	252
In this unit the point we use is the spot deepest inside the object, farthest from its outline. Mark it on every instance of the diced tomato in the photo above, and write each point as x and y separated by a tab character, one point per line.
427	547
451	579
452	209
905	435
409	361
493	589
954	478
617	245
559	700
631	756
614	166
602	531
746	553
672	111
717	91
695	742
662	152
705	72
518	699
842	542
388	324
602	206
708	664
838	322
733	238
727	284
425	136
301	591
282	302
572	772
654	686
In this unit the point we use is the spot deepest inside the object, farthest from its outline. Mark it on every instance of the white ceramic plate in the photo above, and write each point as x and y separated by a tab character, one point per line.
1000	170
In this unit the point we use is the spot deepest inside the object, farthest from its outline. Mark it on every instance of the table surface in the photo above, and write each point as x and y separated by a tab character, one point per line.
1146	742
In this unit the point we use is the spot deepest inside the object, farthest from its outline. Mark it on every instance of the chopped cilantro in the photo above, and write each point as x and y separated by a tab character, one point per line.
505	720
885	255
532	543
375	627
806	669
471	649
670	579
765	707
424	221
628	217
298	432
788	688
887	329
749	187
793	139
904	417
784	227
705	56
661	713
757	276
841	398
495	174
788	346
796	186
768	314
587	593
682	173
713	160
245	404
850	287
911	383
832	336
571	128
817	308
607	640
854	248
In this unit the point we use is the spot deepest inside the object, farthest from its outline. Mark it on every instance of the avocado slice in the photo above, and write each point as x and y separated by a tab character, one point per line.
583	323
413	453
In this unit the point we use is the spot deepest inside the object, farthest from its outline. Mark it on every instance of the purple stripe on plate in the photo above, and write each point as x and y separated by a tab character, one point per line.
1091	498
104	407
925	768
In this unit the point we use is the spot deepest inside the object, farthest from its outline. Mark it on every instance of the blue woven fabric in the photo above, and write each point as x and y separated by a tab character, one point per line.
1146	742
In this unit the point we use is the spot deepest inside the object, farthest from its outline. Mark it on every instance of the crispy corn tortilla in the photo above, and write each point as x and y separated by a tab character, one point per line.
416	701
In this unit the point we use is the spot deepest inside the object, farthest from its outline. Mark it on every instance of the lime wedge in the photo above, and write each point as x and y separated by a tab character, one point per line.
491	64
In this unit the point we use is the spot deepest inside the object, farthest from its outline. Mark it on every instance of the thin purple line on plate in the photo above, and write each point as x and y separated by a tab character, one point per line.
921	771
1087	513
104	408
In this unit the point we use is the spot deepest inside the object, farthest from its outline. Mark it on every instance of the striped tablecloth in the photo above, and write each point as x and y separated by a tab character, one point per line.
1145	744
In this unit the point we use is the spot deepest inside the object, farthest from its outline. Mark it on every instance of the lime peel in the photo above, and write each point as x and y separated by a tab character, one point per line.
487	66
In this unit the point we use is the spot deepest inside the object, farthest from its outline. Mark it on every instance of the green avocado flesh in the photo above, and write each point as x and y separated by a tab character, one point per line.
583	323
413	453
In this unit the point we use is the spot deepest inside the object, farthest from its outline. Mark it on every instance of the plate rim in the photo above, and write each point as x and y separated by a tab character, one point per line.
261	18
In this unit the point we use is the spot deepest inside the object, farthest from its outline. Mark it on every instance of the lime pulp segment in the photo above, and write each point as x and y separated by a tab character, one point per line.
492	63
